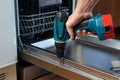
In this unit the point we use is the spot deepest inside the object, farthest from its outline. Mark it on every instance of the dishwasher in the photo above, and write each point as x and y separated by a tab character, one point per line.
84	60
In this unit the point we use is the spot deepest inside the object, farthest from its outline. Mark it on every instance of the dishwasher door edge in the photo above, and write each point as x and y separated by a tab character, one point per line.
50	62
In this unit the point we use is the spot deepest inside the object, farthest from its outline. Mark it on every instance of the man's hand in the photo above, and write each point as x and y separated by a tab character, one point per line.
83	11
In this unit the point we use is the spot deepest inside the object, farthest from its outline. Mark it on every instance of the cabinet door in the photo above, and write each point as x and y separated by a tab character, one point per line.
115	10
109	7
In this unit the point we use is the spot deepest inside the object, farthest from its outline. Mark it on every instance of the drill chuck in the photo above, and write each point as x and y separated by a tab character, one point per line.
60	47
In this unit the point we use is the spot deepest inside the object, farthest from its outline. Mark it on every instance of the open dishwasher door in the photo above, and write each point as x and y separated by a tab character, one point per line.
83	60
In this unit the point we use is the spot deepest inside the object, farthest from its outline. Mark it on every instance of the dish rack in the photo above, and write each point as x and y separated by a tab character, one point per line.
37	23
36	27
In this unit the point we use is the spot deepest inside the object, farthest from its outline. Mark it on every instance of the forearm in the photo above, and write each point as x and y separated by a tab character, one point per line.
84	6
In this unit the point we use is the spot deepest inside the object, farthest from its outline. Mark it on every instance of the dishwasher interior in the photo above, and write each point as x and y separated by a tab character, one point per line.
36	18
36	21
35	40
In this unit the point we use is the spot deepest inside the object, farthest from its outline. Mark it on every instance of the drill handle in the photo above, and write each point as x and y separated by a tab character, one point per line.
83	25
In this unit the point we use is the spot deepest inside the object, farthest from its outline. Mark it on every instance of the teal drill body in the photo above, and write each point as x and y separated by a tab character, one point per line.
93	24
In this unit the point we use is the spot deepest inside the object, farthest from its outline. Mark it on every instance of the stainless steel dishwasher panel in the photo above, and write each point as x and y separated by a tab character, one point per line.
91	55
98	57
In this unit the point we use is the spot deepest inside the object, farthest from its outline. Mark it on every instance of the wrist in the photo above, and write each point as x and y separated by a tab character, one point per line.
83	14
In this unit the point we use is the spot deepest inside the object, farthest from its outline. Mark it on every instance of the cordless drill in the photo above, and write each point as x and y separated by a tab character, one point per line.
100	24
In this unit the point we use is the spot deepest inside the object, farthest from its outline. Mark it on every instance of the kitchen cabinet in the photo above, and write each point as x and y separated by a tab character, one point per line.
8	43
109	6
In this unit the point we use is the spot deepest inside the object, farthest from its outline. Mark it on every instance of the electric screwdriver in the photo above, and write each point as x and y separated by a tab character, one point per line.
100	24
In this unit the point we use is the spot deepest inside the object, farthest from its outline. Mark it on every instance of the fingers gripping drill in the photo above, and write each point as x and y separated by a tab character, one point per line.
101	24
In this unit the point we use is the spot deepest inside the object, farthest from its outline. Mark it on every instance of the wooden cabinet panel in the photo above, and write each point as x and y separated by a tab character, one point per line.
51	76
115	9
102	7
109	6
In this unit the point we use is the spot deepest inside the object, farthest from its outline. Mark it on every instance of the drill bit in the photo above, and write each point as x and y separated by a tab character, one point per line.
61	60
